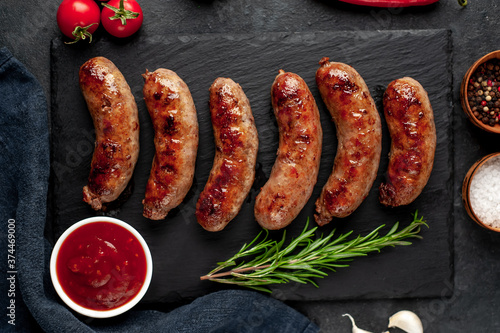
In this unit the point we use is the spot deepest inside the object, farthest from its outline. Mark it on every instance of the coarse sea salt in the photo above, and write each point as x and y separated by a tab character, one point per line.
485	192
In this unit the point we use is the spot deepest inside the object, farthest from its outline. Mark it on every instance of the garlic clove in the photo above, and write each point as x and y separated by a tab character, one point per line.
407	321
355	328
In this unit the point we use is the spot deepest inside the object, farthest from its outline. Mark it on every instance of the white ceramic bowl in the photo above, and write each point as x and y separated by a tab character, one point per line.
100	313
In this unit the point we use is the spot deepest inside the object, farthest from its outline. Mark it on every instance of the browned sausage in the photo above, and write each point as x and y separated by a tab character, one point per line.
359	135
114	113
236	143
175	123
410	120
295	170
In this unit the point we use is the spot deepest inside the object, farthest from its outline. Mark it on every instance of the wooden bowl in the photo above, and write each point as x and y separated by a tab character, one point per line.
466	190
463	93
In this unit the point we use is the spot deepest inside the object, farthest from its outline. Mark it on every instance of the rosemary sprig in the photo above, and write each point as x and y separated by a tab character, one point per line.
305	258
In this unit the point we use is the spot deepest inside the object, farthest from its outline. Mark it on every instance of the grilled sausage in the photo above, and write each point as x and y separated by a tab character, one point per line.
175	123
410	120
359	135
295	170
114	113
233	170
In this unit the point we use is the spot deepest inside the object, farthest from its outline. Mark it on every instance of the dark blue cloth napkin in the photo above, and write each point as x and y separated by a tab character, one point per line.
24	178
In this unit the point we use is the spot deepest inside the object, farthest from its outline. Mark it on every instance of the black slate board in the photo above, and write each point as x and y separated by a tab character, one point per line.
181	249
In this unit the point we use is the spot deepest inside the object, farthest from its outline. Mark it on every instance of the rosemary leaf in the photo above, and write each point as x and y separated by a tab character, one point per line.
304	258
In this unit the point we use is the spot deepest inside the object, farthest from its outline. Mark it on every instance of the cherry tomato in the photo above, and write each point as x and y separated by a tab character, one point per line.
78	19
121	18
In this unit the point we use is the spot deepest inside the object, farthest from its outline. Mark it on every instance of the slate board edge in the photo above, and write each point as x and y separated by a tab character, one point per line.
279	35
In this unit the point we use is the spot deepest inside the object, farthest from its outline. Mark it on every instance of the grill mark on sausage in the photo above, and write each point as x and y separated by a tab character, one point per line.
410	120
173	114
233	170
297	163
114	113
359	140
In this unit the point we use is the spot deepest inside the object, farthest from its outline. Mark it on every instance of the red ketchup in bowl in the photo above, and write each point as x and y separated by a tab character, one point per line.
101	266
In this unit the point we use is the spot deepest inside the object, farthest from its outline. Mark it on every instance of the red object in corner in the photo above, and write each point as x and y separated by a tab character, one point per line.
101	266
390	3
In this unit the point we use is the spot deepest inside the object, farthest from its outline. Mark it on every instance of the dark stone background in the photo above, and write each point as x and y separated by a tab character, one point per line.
27	27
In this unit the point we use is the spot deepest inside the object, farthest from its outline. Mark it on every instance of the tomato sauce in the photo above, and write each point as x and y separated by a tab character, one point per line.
101	266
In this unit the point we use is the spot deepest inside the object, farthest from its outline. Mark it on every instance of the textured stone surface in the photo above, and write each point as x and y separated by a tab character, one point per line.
422	270
27	27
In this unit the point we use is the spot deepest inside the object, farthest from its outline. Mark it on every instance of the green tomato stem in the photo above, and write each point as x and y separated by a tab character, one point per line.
121	13
462	3
81	33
